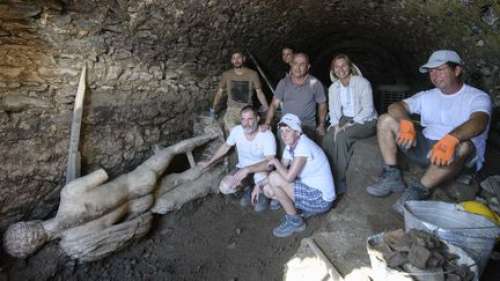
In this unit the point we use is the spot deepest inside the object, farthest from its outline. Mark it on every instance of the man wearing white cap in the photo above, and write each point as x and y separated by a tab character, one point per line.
254	149
455	119
302	180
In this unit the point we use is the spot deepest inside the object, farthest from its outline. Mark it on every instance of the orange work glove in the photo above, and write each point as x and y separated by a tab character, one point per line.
407	132
442	152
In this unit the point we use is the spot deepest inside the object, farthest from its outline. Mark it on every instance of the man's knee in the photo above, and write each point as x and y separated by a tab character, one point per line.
386	122
275	178
269	191
465	149
225	185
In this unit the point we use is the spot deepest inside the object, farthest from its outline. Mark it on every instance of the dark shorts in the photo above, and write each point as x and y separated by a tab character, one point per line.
418	154
309	199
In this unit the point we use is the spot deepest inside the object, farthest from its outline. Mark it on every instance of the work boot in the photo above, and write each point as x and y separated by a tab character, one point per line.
262	203
274	205
289	224
246	198
415	191
389	181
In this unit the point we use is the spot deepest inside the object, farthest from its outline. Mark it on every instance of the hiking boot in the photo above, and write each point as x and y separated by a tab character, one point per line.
246	198
274	205
415	191
389	181
289	224
262	203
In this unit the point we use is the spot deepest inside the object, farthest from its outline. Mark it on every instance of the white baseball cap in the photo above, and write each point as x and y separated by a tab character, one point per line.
292	121
439	58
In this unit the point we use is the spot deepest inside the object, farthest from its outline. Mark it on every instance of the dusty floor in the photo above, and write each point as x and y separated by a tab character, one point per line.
209	239
215	239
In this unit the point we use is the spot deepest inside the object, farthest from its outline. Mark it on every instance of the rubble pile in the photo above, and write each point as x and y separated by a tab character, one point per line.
490	193
422	255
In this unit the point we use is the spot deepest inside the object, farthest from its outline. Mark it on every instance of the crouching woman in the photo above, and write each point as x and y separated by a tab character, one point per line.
302	181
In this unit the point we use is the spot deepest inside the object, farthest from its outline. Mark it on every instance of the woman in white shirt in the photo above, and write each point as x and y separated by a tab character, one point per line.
352	116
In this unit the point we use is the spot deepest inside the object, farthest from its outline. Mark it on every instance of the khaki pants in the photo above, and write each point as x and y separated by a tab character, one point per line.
231	118
339	151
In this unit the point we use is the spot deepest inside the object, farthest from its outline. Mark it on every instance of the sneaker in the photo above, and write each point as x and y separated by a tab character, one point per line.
289	224
274	205
262	203
389	181
415	191
246	198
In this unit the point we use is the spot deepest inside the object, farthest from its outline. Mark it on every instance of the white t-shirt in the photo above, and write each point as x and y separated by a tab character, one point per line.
440	113
316	172
254	151
346	101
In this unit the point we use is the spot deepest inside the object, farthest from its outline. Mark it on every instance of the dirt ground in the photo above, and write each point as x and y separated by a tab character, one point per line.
215	239
208	239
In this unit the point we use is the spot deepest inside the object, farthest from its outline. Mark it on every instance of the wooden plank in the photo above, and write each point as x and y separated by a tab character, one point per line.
332	271
73	168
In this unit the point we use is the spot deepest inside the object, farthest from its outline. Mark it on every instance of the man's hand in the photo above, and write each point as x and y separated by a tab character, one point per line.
211	113
255	194
443	151
407	135
338	129
272	163
321	130
240	175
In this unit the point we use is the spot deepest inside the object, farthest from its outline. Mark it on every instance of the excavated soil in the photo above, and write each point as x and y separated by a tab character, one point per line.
208	239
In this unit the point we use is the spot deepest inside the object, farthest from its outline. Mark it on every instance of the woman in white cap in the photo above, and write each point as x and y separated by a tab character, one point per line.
302	180
352	116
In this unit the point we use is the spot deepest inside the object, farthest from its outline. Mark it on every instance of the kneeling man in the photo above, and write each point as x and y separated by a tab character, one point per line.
254	149
302	180
455	119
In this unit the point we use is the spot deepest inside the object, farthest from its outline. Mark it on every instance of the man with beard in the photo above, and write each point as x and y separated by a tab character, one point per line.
254	150
239	83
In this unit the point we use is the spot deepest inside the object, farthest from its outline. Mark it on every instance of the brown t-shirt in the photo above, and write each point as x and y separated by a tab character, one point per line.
240	88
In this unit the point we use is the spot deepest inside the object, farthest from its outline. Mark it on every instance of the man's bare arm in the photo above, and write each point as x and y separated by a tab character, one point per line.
476	124
221	151
270	112
399	111
218	96
262	98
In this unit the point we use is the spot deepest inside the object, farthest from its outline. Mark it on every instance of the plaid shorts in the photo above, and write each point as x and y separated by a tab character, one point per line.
309	199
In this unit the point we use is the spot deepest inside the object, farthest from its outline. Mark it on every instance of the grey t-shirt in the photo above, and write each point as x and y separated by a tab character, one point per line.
301	100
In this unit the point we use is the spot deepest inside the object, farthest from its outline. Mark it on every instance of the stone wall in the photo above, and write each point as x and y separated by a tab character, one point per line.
153	64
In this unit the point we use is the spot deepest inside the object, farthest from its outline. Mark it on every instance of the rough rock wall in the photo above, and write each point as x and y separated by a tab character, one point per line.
133	101
152	64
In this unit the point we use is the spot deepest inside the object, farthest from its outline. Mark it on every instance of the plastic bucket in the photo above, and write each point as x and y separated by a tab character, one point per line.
382	272
475	234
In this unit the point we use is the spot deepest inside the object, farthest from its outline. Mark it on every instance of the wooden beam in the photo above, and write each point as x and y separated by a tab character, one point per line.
332	271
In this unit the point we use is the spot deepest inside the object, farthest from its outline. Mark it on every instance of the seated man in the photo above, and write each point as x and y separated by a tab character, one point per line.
254	149
455	118
302	180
